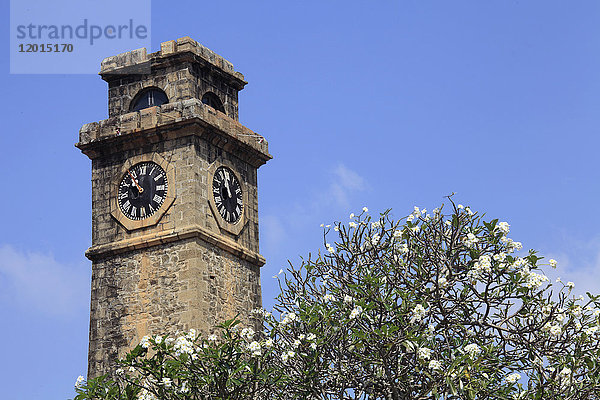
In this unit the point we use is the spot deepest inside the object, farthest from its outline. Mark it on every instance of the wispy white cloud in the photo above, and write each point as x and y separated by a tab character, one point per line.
344	183
38	282
332	197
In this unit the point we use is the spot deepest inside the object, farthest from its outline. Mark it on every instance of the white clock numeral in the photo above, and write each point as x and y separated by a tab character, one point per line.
238	190
226	215
142	211
133	210
158	177
218	200
160	187
151	208
240	201
126	206
157	198
122	195
238	211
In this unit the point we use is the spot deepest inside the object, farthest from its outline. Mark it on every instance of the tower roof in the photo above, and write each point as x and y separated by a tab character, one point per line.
139	61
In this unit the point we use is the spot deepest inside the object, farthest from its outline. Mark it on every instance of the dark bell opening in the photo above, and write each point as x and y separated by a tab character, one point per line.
211	99
149	98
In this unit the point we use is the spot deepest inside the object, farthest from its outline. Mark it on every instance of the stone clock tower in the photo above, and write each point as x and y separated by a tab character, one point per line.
174	199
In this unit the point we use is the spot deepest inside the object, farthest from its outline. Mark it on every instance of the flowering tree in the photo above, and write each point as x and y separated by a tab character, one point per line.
433	306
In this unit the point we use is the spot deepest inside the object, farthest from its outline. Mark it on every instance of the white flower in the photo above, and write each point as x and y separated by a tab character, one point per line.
534	280
472	349
158	339
503	227
287	355
442	282
145	342
328	297
291	317
404	248
555	330
375	239
565	373
356	312
552	262
435	365
166	382
296	343
410	218
592	330
417	314
247	333
330	249
470	240
184	388
365	209
512	378
269	343
348	299
183	346
424	353
375	224
79	381
146	395
570	285
351	215
212	338
311	336
352	224
255	348
313	346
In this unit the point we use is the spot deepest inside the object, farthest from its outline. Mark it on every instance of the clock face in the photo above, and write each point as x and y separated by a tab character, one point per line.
227	193
142	190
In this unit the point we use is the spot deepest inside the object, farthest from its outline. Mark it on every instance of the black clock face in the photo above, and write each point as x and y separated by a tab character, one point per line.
142	190
227	193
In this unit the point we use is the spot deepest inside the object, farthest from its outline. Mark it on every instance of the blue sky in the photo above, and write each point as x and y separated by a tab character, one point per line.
387	104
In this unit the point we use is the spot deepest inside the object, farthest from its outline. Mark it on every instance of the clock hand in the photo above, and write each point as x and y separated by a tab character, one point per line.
140	189
227	186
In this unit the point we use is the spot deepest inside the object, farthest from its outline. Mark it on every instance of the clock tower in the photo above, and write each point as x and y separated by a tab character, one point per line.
174	199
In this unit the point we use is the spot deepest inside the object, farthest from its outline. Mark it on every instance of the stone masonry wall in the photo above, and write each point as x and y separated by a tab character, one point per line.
183	285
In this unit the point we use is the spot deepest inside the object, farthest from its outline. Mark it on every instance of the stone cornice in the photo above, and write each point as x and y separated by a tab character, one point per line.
153	124
191	232
139	61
